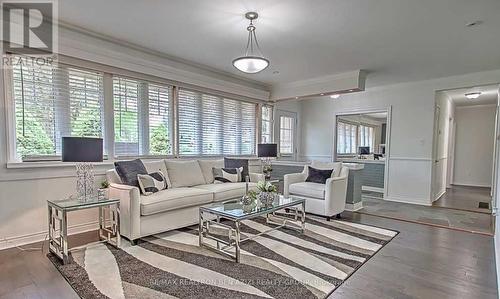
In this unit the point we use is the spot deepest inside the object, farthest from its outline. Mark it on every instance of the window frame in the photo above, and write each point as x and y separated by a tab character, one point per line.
293	115
108	130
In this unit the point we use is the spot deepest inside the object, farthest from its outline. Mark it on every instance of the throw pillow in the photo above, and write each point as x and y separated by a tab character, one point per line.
227	175
128	171
152	183
318	175
237	163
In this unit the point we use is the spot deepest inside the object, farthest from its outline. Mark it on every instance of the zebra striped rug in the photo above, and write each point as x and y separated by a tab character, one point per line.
281	264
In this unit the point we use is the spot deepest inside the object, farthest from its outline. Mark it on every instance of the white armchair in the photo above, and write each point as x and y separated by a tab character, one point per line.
321	199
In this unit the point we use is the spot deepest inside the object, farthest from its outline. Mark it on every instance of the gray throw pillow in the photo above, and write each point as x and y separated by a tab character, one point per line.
237	163
318	175
128	171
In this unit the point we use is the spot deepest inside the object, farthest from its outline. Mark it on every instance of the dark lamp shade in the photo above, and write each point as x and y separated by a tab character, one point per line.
81	149
267	150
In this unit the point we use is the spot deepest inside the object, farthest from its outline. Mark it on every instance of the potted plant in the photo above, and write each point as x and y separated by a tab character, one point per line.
103	192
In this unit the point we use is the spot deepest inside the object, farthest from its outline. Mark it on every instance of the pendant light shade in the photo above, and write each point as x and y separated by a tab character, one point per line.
253	61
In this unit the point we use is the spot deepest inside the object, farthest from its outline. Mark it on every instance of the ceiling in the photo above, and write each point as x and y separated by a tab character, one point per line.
489	95
393	40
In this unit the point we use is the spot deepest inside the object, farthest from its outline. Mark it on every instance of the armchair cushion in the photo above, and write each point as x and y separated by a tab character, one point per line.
318	175
308	189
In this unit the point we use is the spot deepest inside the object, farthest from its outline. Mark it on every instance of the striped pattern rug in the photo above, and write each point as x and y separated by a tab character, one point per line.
281	264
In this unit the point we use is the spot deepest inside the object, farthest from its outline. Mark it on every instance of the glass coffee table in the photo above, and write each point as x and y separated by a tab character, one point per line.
291	216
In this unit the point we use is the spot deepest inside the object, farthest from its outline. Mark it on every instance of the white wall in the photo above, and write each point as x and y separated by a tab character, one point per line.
24	191
410	161
474	145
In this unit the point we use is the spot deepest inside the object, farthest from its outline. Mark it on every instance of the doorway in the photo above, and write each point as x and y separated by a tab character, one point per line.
464	148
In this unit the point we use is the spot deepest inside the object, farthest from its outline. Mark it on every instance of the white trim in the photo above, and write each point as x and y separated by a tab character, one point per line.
418	201
411	159
354	207
372	189
470	185
10	242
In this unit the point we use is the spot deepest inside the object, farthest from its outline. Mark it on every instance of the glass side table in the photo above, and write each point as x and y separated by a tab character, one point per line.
109	223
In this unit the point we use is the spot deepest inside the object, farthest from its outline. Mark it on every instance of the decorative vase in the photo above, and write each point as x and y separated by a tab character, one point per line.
266	198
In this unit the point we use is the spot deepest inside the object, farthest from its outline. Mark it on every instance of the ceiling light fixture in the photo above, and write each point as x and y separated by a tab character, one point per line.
473	95
253	61
335	96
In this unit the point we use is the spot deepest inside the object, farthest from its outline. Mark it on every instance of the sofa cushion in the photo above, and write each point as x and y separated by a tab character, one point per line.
155	166
184	173
227	175
172	199
128	171
308	189
237	163
207	166
227	191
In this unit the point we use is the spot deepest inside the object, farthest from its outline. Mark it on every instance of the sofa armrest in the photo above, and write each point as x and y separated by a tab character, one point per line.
130	209
292	178
256	177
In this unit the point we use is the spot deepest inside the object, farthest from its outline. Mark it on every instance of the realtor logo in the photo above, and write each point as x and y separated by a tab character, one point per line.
29	28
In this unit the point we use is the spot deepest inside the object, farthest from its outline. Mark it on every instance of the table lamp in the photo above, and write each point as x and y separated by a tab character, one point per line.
84	151
267	151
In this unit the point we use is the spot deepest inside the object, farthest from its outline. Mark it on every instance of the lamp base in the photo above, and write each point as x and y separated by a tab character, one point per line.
85	181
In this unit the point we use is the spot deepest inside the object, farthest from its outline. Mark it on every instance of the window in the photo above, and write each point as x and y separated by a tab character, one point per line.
351	136
142	118
211	125
126	107
286	135
267	124
54	102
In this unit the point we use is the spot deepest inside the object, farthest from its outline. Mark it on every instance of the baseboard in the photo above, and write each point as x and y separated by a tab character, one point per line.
354	207
10	242
372	189
471	185
421	202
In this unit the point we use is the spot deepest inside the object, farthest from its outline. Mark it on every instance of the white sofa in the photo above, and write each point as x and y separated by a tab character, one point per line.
190	185
321	199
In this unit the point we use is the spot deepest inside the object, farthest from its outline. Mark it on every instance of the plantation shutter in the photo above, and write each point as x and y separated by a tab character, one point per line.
213	126
126	112
160	119
54	102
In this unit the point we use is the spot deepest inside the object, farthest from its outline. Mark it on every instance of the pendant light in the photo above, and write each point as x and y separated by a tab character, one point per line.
253	61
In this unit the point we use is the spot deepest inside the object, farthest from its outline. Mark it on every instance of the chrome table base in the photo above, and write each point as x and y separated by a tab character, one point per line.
109	227
232	246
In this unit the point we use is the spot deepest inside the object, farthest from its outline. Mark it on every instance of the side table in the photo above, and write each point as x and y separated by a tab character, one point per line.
109	223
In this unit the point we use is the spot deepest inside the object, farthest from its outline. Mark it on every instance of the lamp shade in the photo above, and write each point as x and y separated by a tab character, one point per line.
81	149
267	150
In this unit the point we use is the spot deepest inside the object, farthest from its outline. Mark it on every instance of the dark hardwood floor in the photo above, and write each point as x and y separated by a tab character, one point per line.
465	198
421	262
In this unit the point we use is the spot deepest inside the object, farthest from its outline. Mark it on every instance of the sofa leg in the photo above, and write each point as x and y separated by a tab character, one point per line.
338	216
328	218
133	242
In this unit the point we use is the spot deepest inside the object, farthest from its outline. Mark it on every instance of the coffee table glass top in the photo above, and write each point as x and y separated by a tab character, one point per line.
75	203
234	209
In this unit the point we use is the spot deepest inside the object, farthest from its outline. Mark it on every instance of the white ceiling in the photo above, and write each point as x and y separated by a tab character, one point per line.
489	95
394	40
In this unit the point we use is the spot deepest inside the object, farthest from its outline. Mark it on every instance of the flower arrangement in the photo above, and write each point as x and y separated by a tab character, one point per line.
263	186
